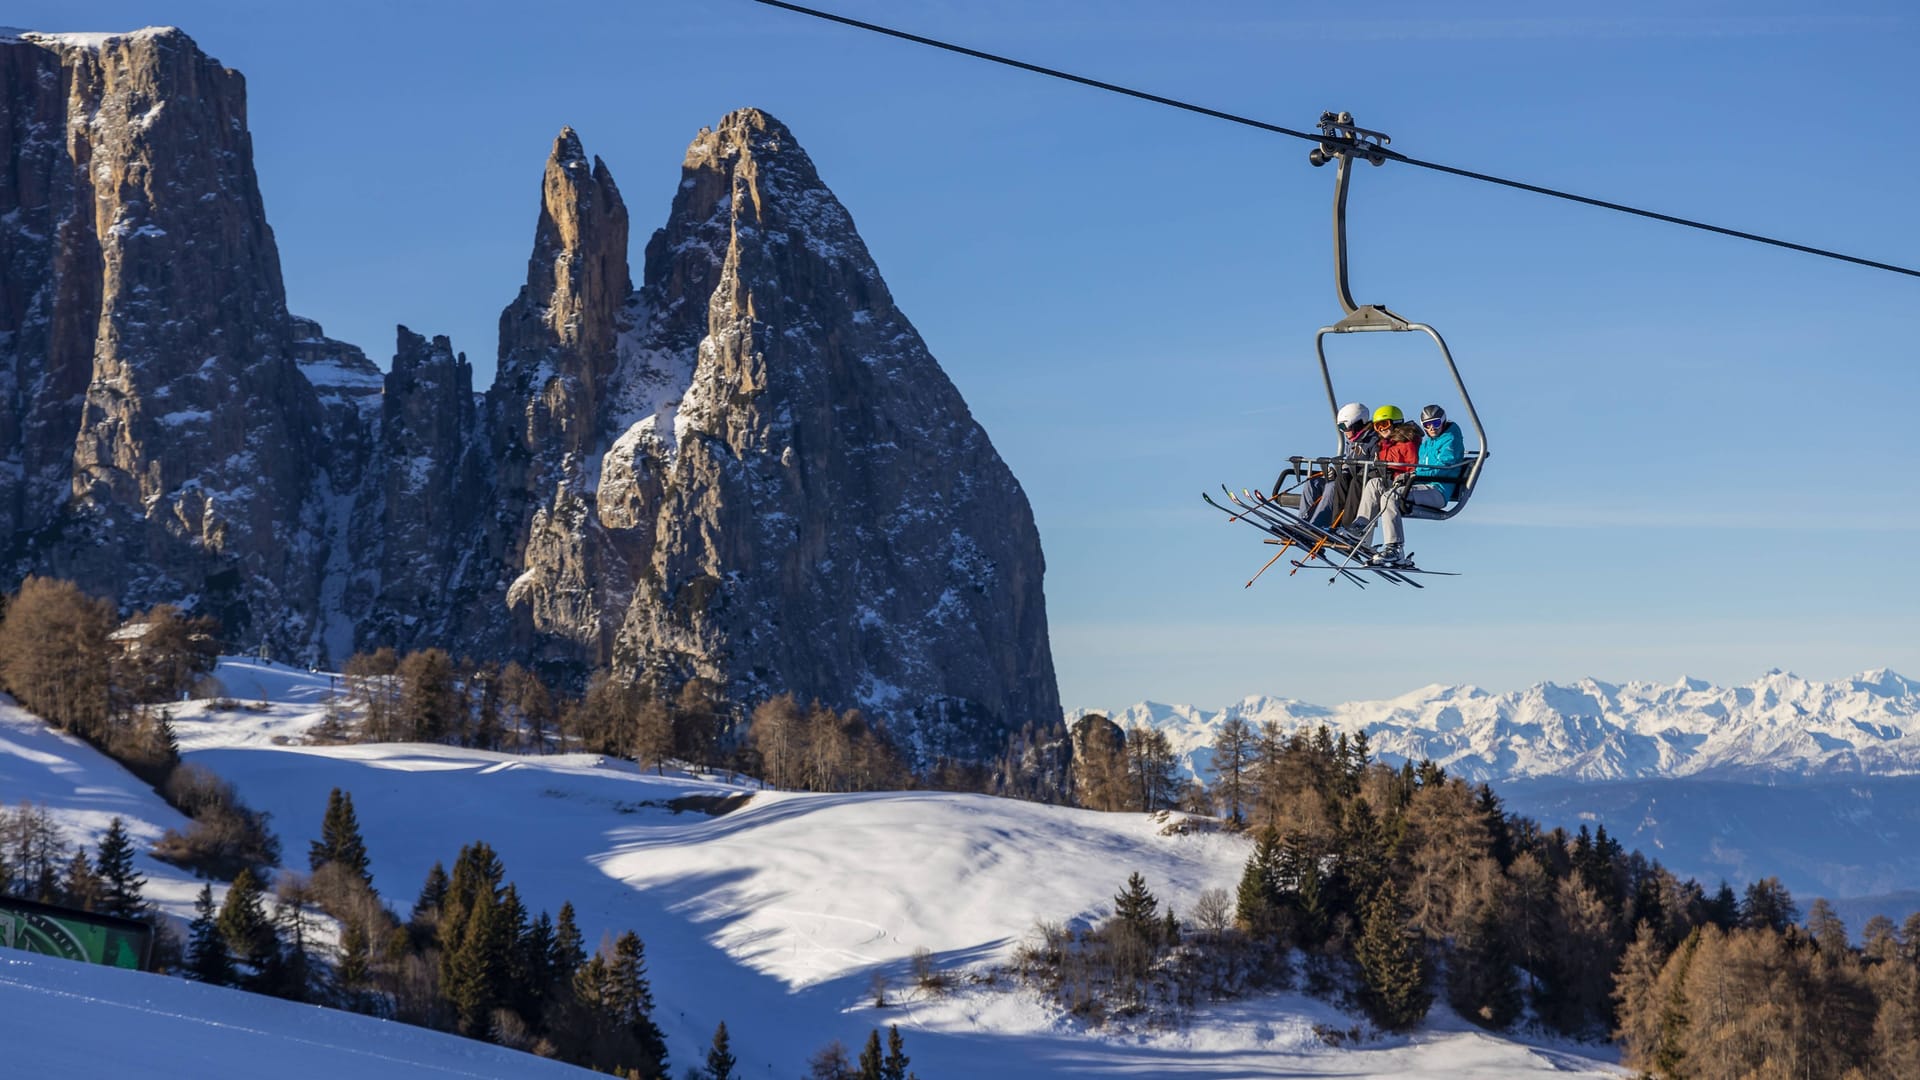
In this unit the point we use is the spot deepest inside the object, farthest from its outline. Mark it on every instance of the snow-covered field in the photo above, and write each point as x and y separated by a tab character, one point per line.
774	918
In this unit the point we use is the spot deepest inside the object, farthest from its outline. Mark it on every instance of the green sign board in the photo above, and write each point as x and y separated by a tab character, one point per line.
76	935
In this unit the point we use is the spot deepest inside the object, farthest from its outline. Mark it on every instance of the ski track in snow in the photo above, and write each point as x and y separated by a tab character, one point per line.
774	918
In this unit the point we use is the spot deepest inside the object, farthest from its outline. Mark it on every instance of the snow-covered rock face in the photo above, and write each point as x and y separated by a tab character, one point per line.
161	442
1778	726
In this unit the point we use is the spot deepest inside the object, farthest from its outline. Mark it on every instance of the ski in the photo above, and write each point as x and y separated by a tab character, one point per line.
1395	570
1267	515
1294	531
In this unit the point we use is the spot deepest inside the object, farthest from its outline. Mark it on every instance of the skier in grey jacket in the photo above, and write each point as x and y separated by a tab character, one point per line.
1339	497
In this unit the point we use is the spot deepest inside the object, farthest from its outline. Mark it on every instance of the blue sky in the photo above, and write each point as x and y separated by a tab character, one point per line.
1702	448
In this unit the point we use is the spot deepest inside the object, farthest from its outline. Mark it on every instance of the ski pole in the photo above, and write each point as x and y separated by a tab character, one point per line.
1270	562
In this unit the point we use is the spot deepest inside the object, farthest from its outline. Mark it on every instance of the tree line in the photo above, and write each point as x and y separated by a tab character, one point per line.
1388	889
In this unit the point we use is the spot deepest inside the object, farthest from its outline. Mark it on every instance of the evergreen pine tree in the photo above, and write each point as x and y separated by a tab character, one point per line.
1480	982
533	963
433	896
627	975
569	948
1724	909
1392	969
340	840
1769	906
1170	929
80	886
1362	852
207	958
244	924
1257	902
474	974
1137	907
870	1057
895	1066
120	882
477	874
720	1060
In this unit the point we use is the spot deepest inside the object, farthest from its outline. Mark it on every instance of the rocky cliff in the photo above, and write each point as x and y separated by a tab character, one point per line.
746	467
167	444
751	470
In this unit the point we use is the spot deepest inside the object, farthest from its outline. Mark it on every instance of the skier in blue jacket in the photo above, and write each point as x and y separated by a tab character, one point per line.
1441	454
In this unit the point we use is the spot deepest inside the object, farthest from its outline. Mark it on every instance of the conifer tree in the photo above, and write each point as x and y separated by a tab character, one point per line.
1362	855
1877	939
1136	907
533	961
720	1061
569	948
355	965
474	973
633	996
340	840
1235	749
1827	929
244	924
477	875
1638	1002
1480	983
294	926
1768	905
120	883
870	1057
80	886
1257	902
1392	968
1723	910
895	1065
433	897
207	958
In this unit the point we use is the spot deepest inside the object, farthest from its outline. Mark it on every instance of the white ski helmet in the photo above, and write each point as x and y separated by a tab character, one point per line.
1352	415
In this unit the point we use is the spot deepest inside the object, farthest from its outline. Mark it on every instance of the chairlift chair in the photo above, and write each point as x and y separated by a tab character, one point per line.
1277	512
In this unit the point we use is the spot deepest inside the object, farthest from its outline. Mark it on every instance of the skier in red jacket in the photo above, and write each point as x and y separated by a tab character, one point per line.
1380	503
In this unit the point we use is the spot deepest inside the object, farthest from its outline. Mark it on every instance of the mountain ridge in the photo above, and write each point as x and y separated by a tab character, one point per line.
1777	727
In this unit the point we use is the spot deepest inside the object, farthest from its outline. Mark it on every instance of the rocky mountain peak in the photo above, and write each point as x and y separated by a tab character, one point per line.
826	473
157	345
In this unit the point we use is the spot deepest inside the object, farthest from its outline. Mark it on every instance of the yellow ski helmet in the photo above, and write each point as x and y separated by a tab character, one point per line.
1388	412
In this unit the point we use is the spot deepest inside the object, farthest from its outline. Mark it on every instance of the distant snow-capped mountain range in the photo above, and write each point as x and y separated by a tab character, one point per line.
1778	727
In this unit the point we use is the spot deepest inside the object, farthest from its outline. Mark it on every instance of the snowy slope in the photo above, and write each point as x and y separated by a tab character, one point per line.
773	918
1778	726
63	1019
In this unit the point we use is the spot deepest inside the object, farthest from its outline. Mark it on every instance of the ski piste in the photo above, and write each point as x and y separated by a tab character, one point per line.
1267	515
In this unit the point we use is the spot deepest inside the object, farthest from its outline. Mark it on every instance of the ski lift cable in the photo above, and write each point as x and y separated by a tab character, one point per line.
1276	129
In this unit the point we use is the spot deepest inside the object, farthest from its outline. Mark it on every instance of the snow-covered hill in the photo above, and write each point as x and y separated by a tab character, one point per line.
1778	727
773	918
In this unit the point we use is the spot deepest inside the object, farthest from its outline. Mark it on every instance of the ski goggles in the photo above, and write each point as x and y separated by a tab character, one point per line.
1435	423
1351	425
